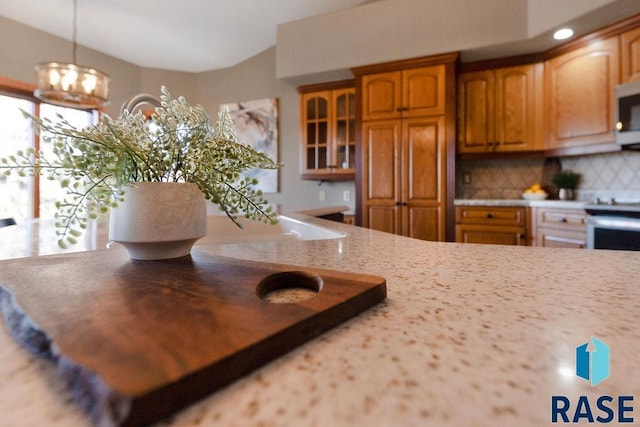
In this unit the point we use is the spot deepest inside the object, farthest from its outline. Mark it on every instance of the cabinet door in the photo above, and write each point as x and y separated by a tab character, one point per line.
518	108
476	111
316	132
343	151
381	176
580	95
423	91
381	96
424	178
630	56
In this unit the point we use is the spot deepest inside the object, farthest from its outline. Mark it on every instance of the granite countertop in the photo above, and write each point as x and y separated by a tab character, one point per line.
563	204
469	335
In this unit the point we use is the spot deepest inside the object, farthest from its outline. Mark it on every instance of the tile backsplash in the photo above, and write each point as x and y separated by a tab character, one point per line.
602	175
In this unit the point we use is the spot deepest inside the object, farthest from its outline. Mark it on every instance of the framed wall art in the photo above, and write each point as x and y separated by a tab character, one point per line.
256	124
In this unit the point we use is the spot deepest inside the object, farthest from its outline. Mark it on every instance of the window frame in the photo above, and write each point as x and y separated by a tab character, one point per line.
23	90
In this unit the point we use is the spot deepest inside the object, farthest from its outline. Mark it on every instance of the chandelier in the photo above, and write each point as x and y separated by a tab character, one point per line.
71	85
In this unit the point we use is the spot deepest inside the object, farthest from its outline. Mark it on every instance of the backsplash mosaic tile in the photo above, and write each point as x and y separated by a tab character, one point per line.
602	175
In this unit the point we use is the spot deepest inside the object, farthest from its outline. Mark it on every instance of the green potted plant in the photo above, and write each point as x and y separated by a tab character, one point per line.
104	166
566	182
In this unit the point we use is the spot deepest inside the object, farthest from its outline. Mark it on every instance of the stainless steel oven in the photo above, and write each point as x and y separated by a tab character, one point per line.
613	225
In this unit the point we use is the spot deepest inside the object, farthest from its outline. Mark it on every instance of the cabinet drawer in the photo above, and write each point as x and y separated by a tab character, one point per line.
487	234
491	215
568	219
552	238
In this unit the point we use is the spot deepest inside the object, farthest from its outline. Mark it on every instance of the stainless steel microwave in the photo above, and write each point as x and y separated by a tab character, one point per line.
628	115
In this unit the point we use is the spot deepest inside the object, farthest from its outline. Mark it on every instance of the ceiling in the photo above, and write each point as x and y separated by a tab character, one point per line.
164	34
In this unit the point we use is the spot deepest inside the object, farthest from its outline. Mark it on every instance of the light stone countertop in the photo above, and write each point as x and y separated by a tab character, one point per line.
470	335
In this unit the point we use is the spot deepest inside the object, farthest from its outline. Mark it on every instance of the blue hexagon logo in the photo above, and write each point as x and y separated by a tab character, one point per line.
593	365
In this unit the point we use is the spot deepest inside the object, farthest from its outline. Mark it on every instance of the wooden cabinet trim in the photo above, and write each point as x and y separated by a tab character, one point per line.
405	64
320	87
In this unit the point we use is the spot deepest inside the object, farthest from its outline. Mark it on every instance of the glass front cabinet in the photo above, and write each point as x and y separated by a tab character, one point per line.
328	130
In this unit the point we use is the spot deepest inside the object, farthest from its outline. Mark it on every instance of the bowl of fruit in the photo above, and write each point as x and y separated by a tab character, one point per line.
535	192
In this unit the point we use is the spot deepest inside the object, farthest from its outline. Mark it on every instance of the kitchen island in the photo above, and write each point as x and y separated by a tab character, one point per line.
471	335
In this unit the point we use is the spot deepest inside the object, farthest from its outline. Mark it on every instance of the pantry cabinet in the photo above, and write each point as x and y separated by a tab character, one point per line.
404	161
328	132
500	225
501	110
406	147
580	94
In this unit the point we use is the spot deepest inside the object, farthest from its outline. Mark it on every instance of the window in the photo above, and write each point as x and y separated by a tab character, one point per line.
29	197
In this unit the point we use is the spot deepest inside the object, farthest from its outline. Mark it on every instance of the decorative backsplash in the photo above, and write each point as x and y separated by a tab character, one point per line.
602	175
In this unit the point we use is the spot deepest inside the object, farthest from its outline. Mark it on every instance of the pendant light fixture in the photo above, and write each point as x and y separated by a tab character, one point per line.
71	85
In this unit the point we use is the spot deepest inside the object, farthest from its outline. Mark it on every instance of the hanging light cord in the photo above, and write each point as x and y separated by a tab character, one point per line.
75	29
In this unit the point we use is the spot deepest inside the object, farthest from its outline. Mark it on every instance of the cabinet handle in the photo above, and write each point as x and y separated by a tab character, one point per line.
489	216
398	203
563	219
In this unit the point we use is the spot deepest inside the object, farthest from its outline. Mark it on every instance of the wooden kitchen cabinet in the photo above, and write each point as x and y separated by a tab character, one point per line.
580	95
404	176
406	147
407	93
560	228
328	129
501	225
630	56
501	110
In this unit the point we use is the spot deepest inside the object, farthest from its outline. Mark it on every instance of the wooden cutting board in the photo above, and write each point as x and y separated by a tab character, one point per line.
138	340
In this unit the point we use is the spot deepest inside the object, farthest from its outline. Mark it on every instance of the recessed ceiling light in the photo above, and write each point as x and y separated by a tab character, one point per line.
563	33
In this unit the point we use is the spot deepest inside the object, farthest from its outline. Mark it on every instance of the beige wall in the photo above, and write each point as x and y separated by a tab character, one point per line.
22	47
325	47
256	79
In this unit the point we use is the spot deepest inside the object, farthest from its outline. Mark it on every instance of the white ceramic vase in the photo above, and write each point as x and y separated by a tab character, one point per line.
159	220
565	194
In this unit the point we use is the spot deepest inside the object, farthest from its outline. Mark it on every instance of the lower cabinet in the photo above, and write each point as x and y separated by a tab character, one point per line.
500	225
560	228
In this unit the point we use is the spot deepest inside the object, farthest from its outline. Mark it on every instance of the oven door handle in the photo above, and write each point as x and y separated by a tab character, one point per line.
615	222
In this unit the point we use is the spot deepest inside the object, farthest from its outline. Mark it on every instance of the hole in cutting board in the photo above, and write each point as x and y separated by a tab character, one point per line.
289	286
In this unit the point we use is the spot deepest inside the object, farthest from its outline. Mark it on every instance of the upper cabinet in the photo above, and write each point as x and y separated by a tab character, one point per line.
561	102
501	110
630	56
580	95
408	93
328	130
